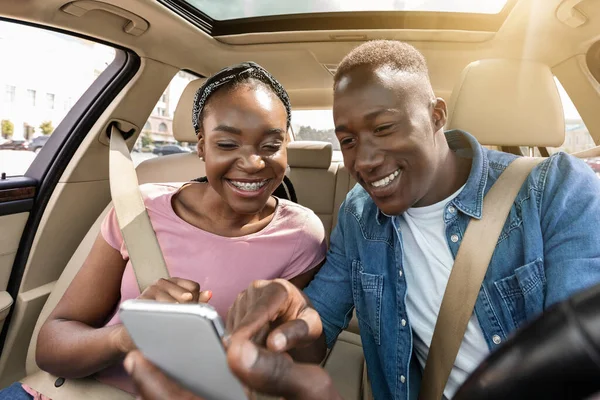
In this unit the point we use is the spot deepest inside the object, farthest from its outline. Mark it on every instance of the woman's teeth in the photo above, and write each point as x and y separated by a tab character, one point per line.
387	180
249	186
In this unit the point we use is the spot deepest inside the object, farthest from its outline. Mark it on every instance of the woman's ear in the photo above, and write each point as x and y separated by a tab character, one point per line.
200	145
440	113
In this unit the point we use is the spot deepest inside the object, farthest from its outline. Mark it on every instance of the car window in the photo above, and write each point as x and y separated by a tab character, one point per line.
42	75
158	129
577	136
316	125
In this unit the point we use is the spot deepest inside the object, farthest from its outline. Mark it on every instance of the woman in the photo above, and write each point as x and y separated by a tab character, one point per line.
217	234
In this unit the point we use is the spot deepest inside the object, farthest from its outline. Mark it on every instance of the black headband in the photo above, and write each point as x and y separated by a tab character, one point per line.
229	74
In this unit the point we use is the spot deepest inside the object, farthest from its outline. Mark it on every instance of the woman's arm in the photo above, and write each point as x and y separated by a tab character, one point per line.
73	342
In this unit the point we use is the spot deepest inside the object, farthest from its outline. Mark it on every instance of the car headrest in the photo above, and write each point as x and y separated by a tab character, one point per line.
508	103
183	131
309	154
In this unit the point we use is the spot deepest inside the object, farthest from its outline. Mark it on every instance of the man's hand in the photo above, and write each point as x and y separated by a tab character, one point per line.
279	304
258	369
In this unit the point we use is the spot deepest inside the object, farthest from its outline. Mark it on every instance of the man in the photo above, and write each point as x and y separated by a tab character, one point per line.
399	230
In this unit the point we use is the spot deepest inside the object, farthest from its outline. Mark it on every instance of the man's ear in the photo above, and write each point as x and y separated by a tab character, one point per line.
440	113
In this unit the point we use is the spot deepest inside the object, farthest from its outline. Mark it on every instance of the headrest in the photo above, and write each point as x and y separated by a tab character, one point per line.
508	103
308	154
183	131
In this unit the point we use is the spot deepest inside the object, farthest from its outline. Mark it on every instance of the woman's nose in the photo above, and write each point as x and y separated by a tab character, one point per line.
253	163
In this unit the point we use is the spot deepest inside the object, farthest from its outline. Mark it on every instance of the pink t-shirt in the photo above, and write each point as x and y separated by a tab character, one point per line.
291	244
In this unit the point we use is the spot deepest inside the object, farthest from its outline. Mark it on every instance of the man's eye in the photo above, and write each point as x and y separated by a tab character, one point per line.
346	141
383	128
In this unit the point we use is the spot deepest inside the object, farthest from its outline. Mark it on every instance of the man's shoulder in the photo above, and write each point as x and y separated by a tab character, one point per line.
359	204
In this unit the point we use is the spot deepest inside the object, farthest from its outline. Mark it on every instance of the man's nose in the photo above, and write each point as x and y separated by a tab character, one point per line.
367	158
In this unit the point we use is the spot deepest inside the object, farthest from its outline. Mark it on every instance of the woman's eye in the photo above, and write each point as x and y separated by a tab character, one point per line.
272	146
226	145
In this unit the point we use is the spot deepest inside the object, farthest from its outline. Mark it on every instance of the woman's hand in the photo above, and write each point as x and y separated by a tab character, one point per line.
172	290
176	290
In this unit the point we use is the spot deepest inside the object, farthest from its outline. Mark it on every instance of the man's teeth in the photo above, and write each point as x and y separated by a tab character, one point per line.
387	180
249	186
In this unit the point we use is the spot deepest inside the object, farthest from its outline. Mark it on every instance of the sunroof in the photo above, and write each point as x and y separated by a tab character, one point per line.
221	10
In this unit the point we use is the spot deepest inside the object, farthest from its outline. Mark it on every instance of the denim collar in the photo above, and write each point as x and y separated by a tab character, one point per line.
470	199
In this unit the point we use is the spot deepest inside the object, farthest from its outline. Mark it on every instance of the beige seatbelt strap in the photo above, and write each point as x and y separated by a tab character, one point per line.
464	284
144	252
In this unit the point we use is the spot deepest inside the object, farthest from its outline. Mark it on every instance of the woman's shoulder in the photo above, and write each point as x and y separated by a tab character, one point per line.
153	193
296	215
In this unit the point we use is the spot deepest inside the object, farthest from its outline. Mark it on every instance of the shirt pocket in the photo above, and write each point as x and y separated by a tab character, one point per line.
367	290
523	293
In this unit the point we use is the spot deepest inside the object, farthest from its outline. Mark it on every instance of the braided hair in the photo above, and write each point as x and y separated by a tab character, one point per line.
230	77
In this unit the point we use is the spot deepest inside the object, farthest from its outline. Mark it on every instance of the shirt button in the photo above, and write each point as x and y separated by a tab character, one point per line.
402	378
403	322
454	238
400	273
496	339
451	210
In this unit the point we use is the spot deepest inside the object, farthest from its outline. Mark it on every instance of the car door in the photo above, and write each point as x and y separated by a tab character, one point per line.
68	90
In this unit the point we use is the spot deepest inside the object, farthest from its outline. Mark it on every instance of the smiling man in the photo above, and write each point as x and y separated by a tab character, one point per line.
400	228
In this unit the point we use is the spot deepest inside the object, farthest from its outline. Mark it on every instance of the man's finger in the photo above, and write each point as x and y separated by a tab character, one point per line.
276	374
296	333
268	307
151	383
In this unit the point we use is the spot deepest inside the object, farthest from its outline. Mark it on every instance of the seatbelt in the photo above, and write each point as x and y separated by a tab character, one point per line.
468	271
144	252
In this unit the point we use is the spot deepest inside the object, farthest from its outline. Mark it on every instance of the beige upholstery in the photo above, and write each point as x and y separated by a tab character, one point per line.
309	154
173	168
314	178
345	365
508	103
183	130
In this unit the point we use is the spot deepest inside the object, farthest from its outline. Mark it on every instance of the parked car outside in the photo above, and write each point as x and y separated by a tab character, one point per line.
170	149
37	143
17	144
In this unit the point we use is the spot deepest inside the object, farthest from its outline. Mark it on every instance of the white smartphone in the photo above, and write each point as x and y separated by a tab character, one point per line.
184	341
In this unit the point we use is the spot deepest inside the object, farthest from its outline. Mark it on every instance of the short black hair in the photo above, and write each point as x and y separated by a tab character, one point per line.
377	53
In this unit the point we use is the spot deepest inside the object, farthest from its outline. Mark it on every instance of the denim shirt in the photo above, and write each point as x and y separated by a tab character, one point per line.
547	251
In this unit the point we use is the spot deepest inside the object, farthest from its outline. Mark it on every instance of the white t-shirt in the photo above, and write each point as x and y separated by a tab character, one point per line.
427	265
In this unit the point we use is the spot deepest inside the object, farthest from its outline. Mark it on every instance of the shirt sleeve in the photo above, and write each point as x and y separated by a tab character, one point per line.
570	217
112	233
330	292
310	249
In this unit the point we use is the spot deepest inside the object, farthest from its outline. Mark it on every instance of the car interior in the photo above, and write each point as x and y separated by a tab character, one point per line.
498	71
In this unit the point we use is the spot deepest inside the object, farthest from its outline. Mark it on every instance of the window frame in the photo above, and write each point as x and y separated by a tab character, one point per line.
42	176
342	20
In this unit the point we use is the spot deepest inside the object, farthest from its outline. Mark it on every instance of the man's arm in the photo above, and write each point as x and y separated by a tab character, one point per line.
299	318
330	292
570	222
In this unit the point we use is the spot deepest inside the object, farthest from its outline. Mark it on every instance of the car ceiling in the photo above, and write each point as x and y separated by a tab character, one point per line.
299	59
